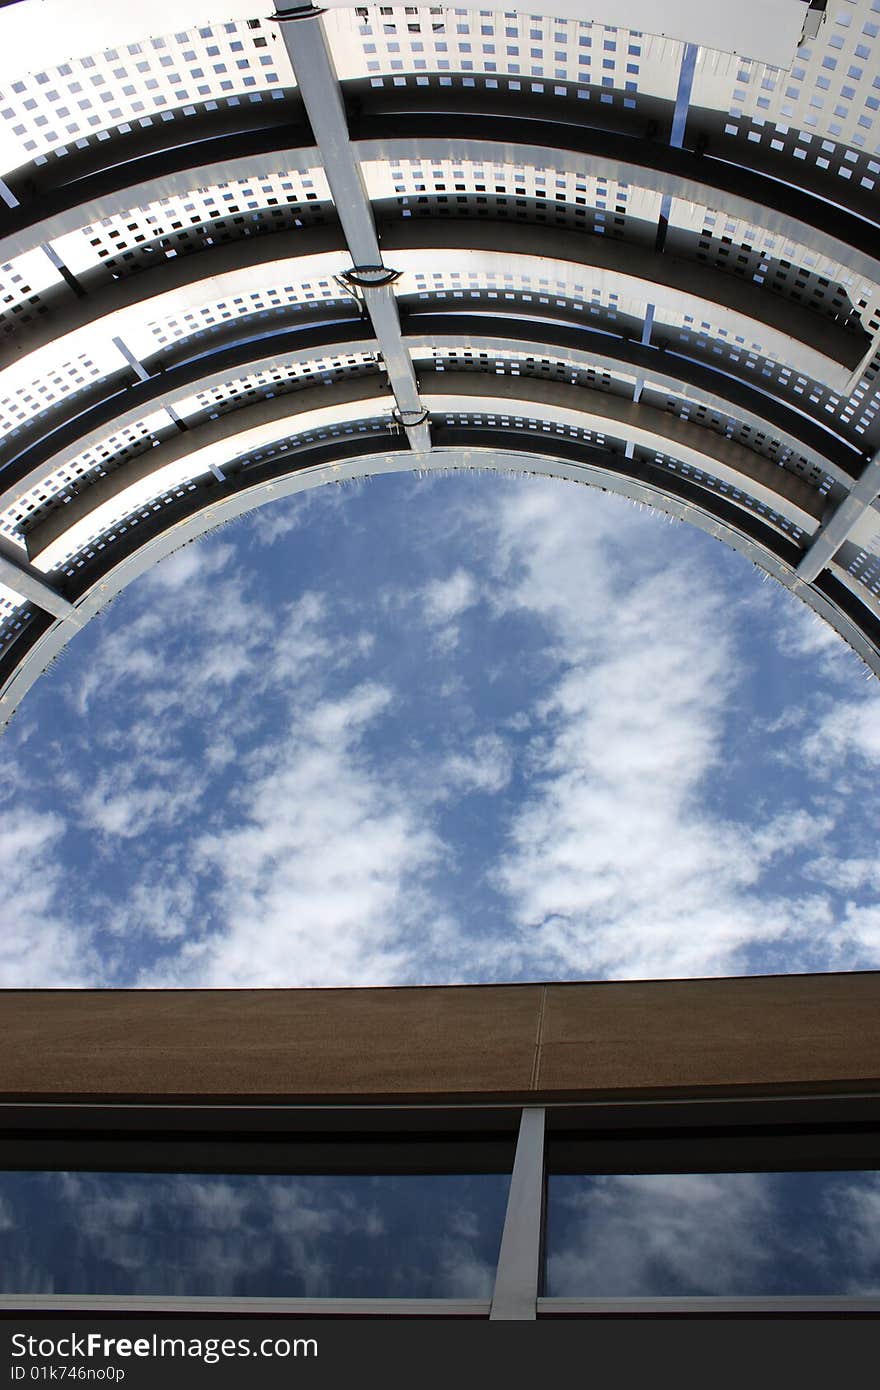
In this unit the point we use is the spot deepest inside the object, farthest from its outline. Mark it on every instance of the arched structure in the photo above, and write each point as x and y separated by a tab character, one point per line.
273	249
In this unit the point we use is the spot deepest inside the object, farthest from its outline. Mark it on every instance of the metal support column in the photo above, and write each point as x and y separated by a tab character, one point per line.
30	584
833	532
306	44
679	124
518	1279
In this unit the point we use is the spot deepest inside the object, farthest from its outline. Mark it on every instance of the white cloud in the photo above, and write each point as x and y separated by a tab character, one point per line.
40	942
198	595
802	633
857	935
462	1273
279	522
114	806
258	1235
618	863
190	563
301	641
850	729
486	767
854	1206
847	875
445	600
262	1228
687	1233
309	866
317	881
167	907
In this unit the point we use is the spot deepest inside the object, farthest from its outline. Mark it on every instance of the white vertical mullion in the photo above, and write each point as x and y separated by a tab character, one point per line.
518	1276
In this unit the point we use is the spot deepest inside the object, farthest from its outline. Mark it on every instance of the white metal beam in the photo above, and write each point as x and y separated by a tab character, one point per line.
833	532
307	48
713	1305
518	1278
22	579
213	1305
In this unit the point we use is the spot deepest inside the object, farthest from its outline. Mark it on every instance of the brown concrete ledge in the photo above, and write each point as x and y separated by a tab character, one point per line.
766	1034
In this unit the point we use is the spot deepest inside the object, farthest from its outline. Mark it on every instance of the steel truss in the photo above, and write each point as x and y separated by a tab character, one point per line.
454	338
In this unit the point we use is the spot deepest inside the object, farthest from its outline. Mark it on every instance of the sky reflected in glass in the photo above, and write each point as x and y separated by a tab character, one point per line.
692	1234
250	1236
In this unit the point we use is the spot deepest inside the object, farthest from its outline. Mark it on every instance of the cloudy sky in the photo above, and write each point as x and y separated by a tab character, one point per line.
419	730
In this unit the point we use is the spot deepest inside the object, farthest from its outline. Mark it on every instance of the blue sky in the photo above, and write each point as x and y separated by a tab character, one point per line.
441	729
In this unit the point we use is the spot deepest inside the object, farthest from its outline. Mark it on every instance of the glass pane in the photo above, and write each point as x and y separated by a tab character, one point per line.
257	1236
680	1234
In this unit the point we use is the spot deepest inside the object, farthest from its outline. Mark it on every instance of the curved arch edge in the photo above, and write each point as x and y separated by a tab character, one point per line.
52	641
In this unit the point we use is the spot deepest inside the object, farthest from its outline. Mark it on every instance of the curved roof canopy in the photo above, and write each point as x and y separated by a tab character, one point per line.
268	250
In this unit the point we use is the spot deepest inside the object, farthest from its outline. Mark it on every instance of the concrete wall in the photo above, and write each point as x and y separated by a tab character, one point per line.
718	1036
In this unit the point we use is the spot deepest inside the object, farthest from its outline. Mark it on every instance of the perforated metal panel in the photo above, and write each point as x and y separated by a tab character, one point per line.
176	226
740	496
861	553
199	320
727	426
527	364
77	554
781	265
630	386
865	567
62	484
826	100
445	275
26	286
803	393
15	619
54	374
13	614
732	354
625	385
549	196
514	420
393	42
81	545
791	126
33	390
277	380
158	79
616	444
